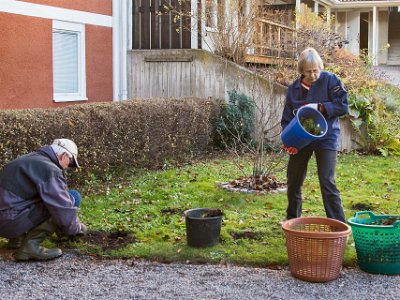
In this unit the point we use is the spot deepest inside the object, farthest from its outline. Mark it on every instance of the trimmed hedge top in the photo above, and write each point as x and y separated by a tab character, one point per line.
133	133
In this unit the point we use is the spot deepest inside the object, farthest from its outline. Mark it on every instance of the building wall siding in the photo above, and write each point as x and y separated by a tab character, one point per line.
26	67
99	68
26	75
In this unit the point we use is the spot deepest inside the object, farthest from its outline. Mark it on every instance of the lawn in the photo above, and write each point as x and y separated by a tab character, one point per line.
142	215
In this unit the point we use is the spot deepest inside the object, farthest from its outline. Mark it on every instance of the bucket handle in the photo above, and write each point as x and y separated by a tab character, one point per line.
370	213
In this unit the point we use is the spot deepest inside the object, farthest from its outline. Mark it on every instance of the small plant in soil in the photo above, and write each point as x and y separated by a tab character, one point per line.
310	126
247	126
257	183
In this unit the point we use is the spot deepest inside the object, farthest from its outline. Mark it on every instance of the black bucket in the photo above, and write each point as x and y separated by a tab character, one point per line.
202	230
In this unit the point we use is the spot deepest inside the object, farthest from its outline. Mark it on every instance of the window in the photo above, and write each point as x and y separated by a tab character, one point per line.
69	72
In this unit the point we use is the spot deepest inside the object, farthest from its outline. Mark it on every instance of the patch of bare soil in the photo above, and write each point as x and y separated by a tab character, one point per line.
362	206
254	184
246	234
109	240
172	211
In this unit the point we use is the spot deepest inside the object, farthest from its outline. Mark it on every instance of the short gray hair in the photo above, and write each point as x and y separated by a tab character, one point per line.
309	56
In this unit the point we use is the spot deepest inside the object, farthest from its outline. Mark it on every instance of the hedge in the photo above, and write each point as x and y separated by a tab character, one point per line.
118	135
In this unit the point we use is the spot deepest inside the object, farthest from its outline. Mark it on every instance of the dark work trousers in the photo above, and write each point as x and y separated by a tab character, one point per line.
296	174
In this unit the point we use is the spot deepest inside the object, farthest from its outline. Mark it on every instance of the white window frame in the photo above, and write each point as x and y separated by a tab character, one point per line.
60	26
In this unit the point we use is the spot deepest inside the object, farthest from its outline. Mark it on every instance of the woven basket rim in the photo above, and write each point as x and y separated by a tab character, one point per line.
345	229
375	226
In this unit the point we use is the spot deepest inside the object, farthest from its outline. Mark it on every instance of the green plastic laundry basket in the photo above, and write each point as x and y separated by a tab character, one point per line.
377	245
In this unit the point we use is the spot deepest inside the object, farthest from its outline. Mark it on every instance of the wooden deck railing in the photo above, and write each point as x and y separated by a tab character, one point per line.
272	43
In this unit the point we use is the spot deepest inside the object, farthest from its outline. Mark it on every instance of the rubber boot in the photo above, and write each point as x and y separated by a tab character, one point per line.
31	249
15	243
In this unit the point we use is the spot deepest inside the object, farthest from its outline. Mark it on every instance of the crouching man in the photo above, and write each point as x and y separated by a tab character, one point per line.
35	201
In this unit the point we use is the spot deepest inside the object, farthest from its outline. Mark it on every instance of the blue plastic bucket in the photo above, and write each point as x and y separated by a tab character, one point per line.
294	135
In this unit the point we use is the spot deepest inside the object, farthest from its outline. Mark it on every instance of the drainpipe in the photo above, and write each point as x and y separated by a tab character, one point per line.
120	47
203	23
115	48
374	36
194	25
124	50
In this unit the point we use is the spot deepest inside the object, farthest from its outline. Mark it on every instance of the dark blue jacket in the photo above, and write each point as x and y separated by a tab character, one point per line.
27	180
329	90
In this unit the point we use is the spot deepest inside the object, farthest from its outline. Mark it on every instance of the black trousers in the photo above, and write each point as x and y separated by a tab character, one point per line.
296	174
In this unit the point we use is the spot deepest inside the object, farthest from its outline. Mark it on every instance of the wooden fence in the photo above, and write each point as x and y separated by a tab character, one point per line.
198	73
201	74
161	24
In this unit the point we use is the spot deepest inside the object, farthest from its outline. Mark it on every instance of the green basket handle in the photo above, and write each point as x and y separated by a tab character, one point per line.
370	213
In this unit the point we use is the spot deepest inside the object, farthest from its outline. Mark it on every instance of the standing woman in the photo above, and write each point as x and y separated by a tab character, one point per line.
323	91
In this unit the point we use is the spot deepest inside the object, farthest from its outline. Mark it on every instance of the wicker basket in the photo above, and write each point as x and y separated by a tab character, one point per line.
377	244
315	247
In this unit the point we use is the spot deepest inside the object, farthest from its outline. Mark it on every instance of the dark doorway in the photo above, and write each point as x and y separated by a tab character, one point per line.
394	37
364	28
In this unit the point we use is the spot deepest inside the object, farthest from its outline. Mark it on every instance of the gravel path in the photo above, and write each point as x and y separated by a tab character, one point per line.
74	277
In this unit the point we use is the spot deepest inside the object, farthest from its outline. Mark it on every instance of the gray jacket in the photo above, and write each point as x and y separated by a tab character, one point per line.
35	179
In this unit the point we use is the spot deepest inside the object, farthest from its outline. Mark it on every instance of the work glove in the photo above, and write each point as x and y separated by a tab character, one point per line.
318	106
290	150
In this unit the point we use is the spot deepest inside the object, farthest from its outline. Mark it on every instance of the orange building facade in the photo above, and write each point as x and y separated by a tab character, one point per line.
55	53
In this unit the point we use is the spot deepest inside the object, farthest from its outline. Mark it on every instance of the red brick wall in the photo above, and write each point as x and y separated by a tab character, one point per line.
26	61
25	67
99	67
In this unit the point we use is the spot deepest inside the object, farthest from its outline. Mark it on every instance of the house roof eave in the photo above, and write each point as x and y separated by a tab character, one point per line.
361	4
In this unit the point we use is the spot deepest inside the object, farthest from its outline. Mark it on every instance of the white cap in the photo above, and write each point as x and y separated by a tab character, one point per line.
70	147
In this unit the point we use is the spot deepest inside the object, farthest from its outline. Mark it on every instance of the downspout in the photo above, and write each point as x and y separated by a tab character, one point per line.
124	50
203	23
115	48
194	25
374	36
